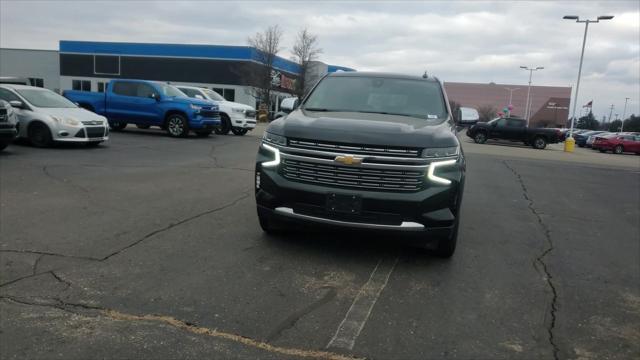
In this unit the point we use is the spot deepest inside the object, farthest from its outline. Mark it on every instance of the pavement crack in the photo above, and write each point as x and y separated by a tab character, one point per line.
35	264
186	326
540	259
60	279
174	224
293	318
45	170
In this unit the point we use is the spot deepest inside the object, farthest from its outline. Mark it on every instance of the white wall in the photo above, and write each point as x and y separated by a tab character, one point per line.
44	64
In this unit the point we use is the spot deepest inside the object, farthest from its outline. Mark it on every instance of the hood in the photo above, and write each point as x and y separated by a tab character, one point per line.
235	105
365	128
76	113
194	101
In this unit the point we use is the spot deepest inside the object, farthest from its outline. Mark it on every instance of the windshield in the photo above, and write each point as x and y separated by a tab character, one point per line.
45	98
170	90
407	97
213	95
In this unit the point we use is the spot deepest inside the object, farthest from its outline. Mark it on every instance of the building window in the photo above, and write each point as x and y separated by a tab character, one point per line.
36	82
229	94
106	65
100	86
219	91
81	85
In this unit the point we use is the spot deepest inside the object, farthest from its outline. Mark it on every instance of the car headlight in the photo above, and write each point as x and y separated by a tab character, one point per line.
238	110
274	139
195	107
440	152
276	156
65	120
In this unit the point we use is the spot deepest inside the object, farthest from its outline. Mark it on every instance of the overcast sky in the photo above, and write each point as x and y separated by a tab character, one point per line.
456	41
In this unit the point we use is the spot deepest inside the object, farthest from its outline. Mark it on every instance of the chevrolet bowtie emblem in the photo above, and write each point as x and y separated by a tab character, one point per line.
348	160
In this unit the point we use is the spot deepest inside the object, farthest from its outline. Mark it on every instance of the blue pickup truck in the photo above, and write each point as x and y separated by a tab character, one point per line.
149	103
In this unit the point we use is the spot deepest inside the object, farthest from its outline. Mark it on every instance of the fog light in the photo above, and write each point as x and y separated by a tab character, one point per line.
63	133
257	180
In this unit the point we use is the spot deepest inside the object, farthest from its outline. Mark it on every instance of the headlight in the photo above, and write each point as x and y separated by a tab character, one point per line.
195	107
440	152
65	121
276	156
238	110
435	165
274	139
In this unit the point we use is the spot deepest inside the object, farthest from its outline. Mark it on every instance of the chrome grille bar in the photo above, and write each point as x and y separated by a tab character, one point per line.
354	149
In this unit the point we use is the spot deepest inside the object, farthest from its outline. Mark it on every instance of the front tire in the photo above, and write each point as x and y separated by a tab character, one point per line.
480	137
618	149
225	125
238	131
40	135
266	225
539	143
177	126
117	125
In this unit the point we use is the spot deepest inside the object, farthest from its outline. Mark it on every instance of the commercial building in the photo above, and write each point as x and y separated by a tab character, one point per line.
89	65
549	104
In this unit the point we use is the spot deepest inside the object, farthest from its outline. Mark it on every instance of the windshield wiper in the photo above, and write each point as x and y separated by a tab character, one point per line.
316	109
388	113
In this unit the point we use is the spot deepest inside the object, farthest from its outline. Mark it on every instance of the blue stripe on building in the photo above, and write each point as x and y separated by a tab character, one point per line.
218	52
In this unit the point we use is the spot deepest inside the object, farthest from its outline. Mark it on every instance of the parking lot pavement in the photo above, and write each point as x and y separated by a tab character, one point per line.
149	247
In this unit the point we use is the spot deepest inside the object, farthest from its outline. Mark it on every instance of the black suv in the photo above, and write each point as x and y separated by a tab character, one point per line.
365	151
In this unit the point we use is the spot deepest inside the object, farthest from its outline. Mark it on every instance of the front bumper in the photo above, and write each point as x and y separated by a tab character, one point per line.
8	132
203	123
432	210
81	134
242	122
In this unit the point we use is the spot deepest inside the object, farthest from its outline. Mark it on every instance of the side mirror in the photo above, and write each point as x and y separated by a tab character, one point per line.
155	96
289	104
468	115
16	104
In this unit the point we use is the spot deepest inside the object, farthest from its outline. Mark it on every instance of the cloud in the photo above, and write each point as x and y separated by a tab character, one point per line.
457	41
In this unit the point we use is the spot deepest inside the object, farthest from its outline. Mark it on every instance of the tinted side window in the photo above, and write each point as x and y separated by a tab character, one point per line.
144	90
515	123
124	88
189	92
7	95
502	122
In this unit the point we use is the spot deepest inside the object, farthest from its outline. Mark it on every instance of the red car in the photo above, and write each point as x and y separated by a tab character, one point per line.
618	144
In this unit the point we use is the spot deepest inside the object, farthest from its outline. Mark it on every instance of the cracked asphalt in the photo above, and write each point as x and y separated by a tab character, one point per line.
149	247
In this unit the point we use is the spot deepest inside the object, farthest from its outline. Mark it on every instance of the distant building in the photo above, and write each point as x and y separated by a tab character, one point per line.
550	104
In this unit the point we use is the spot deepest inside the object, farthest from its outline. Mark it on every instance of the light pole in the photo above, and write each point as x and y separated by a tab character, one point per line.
511	90
531	70
624	113
584	42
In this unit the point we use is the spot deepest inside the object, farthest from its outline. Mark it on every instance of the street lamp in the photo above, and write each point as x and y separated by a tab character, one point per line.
624	113
527	107
584	42
511	90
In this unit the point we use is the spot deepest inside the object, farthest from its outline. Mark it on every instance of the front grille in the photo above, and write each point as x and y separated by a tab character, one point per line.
92	122
354	149
250	114
210	112
95	132
347	176
3	114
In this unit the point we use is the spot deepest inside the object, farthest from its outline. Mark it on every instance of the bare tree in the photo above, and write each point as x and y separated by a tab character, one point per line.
487	112
305	50
267	44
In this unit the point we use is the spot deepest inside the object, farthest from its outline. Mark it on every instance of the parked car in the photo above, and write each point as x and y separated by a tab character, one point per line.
45	117
8	124
581	139
150	103
591	138
513	129
618	143
235	117
365	151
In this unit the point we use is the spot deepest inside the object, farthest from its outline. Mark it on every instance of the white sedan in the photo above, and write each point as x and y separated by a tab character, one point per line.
45	117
